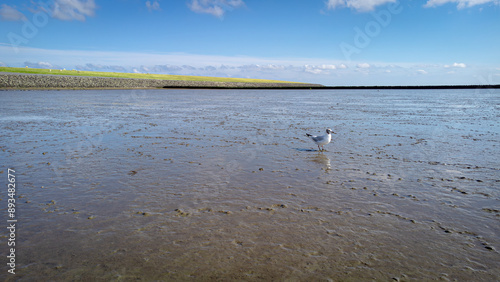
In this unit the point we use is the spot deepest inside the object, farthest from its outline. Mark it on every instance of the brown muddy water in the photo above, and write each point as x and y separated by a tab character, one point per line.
220	185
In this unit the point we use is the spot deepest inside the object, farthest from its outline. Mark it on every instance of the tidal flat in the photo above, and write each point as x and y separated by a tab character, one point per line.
223	185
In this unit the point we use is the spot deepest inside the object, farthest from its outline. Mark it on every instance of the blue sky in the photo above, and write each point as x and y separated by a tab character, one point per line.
332	42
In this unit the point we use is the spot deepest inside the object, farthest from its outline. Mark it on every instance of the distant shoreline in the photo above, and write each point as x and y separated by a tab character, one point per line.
321	87
414	87
26	81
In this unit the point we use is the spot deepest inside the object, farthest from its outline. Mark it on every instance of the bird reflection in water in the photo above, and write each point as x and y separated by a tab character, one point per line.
323	160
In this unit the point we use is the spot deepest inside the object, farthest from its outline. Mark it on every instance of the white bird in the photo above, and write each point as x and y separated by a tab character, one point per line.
322	140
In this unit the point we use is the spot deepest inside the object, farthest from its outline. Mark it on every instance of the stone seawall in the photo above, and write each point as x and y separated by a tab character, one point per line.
30	81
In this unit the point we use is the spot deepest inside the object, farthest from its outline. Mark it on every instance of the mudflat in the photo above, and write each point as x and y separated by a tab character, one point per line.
224	185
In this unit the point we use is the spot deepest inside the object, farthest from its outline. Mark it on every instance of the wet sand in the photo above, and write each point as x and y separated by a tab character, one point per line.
214	185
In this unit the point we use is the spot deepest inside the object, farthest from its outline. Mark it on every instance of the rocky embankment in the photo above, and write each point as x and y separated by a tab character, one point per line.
30	81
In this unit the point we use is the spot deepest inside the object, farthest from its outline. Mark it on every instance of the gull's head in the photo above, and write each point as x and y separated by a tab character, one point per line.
328	131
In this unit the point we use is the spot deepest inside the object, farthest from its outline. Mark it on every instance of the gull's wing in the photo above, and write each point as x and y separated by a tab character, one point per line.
316	138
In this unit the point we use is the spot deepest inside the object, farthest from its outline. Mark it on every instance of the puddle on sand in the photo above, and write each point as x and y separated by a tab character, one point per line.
224	185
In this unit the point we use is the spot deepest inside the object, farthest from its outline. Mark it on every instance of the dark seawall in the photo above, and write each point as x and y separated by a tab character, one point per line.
30	81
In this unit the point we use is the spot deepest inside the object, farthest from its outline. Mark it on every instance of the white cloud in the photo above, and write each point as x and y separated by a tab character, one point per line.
423	72
99	67
328	67
456	65
191	68
153	6
359	5
68	10
363	66
321	69
273	67
167	68
460	3
332	4
214	7
8	13
40	65
313	71
318	69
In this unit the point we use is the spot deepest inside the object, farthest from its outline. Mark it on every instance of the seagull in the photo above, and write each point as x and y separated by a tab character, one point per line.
322	140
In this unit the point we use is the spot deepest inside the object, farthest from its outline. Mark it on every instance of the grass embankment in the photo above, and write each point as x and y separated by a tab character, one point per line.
138	75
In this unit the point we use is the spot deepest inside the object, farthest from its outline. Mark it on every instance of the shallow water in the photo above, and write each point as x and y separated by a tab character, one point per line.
224	184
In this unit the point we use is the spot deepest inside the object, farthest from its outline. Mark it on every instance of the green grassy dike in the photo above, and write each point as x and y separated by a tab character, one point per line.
138	75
